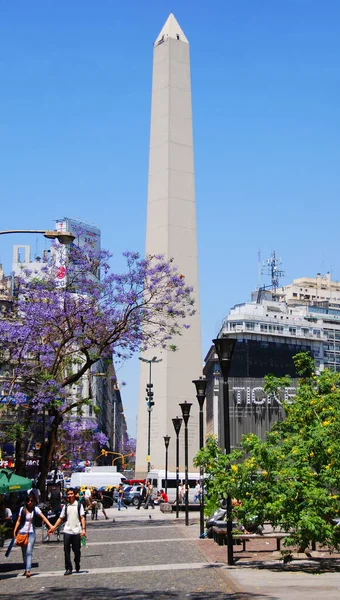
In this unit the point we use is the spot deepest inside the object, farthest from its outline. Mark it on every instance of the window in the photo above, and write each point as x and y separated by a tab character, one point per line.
292	330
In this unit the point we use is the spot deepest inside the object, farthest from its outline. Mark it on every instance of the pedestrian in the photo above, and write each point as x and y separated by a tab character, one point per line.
35	492
120	499
75	528
5	514
149	496
185	493
142	496
25	527
55	497
87	495
97	501
180	492
197	494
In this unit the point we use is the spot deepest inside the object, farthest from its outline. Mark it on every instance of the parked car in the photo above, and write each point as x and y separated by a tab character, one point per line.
131	494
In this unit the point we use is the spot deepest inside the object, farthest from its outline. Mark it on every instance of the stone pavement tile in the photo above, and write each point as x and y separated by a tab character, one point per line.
150	585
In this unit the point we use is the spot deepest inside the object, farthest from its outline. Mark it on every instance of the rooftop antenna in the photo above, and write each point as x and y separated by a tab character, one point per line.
271	266
259	270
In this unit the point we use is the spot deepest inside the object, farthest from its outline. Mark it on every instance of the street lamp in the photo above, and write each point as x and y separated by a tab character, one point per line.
166	444
225	348
64	237
177	422
149	401
201	386
185	408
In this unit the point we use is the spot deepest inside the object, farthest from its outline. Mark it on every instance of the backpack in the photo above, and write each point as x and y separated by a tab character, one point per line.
79	506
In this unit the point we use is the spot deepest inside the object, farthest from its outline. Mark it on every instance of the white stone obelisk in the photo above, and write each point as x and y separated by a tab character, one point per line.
171	230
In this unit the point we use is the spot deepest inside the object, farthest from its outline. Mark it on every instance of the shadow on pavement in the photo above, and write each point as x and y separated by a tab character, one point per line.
107	593
314	566
131	522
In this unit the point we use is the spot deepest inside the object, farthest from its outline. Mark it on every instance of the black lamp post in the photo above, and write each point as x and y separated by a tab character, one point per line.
201	386
177	422
149	403
166	444
185	408
225	348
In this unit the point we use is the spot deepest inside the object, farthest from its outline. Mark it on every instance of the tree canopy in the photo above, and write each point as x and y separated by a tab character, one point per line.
54	333
292	478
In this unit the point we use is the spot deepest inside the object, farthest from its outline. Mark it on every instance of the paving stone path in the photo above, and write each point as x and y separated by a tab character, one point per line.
133	558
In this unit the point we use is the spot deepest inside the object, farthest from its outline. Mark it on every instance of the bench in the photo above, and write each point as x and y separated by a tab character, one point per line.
255	536
220	537
181	507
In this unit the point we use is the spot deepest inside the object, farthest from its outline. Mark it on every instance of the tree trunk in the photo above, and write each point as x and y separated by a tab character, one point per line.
20	457
47	454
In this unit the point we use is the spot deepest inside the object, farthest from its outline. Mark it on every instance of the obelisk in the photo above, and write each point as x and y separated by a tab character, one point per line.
171	230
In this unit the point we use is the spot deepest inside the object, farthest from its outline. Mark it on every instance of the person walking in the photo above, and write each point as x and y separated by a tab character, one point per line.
180	492
97	504
25	527
142	496
197	496
149	496
35	492
88	499
75	528
55	497
120	499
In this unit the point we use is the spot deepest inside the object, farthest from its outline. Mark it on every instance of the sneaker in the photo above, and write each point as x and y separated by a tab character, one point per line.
68	572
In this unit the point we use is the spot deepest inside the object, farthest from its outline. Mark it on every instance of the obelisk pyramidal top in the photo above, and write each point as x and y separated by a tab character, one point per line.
171	230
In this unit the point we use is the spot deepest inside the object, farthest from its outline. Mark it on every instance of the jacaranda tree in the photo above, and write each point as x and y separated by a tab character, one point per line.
54	334
291	479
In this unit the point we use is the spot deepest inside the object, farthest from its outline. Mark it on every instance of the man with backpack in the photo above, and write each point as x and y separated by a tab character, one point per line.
73	515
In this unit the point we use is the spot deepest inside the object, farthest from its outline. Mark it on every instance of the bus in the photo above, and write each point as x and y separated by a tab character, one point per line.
157	479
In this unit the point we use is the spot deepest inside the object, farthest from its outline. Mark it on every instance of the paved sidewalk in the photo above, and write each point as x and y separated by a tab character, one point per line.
152	556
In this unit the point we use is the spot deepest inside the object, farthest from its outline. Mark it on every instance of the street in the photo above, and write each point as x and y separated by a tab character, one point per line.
142	554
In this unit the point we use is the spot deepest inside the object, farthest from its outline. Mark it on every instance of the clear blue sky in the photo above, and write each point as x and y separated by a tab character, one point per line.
74	132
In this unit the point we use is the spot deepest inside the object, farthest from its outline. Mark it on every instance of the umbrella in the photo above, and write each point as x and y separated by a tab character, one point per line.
11	482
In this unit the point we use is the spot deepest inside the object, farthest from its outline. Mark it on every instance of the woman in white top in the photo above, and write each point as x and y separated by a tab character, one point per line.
25	524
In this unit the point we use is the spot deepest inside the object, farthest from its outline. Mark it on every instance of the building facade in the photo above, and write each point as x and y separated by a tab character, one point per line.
268	332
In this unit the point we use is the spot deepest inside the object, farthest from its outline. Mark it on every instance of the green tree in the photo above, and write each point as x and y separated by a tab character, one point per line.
292	478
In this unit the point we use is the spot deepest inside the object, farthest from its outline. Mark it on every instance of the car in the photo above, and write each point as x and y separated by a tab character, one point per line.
132	494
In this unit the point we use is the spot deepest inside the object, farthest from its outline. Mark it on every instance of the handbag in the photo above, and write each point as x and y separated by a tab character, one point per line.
21	539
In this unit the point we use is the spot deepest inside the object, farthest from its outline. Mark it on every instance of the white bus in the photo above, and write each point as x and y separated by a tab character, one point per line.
157	479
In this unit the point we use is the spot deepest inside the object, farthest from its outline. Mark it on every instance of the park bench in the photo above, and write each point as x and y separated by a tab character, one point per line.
220	536
166	507
246	537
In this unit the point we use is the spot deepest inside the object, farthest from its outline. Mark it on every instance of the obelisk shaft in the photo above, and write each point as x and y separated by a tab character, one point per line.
171	230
